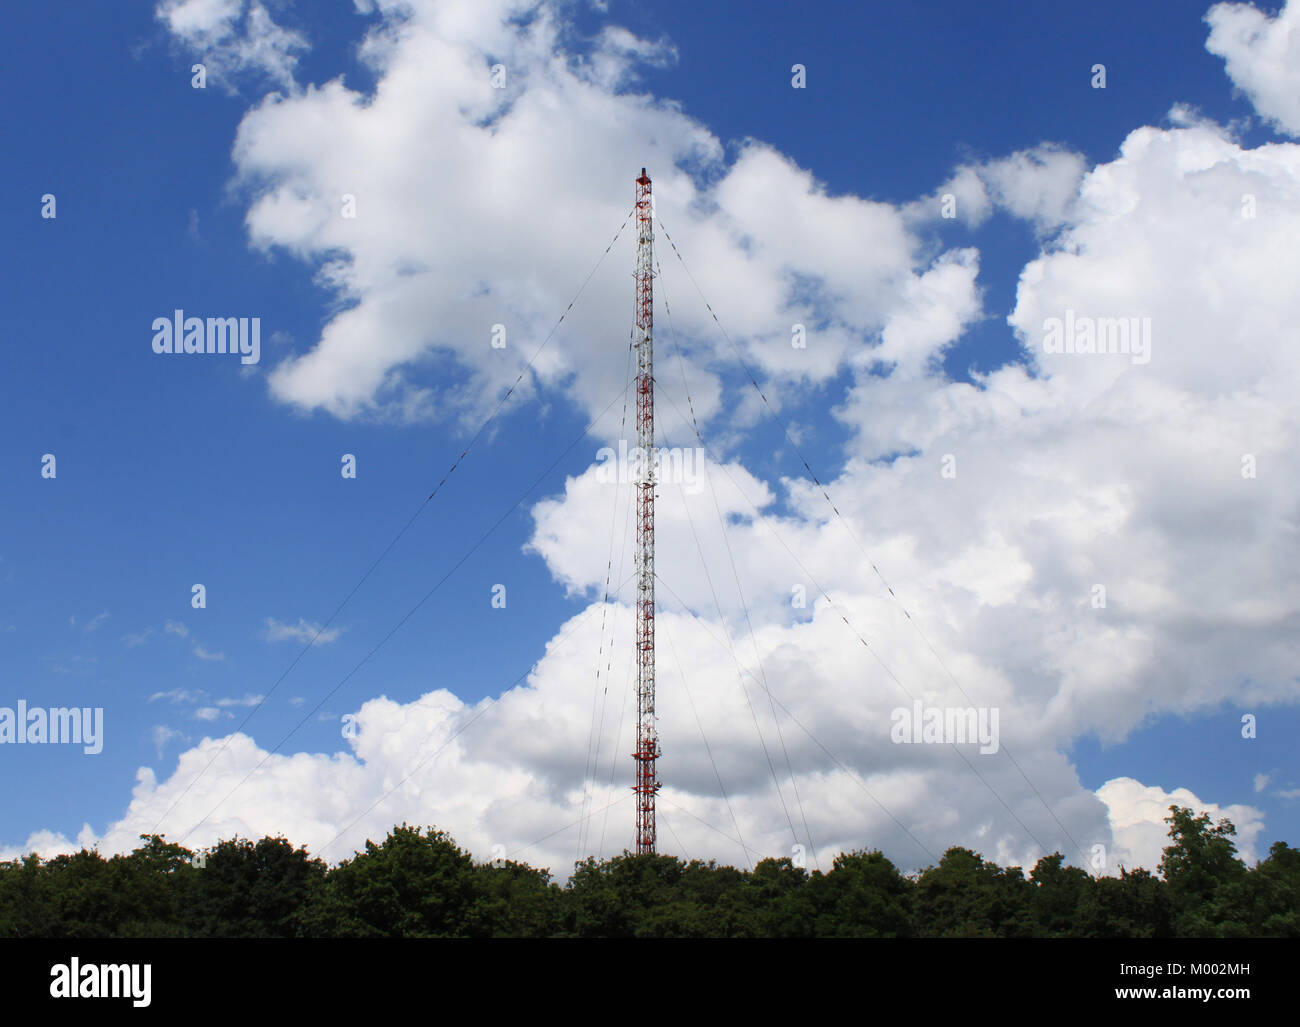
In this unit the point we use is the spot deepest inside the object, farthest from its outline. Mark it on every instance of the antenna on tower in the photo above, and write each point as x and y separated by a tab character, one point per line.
647	736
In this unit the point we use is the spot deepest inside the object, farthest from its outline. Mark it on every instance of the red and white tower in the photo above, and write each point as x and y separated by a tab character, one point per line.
647	737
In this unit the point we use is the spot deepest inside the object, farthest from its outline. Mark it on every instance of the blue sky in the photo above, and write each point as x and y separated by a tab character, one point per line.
176	471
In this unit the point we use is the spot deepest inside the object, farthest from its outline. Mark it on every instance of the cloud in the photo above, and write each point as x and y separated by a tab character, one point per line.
178	695
50	844
96	621
234	39
618	54
1039	185
304	632
420	282
1261	781
161	736
1137	813
181	631
248	700
207	713
513	771
1261	54
132	641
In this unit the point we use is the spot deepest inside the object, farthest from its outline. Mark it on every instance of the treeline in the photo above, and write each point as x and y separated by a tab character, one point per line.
423	885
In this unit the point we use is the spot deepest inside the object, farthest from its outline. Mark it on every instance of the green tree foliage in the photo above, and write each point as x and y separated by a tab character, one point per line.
1267	900
412	886
253	890
1057	893
85	896
1134	905
512	900
419	883
778	899
153	883
967	897
1198	868
1261	903
630	897
863	896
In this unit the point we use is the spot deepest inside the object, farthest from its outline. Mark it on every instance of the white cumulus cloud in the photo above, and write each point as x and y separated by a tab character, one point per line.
1261	53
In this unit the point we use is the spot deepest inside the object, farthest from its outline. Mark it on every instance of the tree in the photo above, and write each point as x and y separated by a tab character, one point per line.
1057	893
965	897
421	884
513	900
411	886
1264	902
863	896
629	896
1200	861
25	910
1134	905
155	881
254	890
780	900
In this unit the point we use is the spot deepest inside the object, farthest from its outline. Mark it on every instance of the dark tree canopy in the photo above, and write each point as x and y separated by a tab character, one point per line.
421	884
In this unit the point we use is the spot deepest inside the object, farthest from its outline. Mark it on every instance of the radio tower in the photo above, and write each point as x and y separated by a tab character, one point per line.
647	738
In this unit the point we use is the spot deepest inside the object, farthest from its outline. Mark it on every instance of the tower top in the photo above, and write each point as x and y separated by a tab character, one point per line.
644	179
